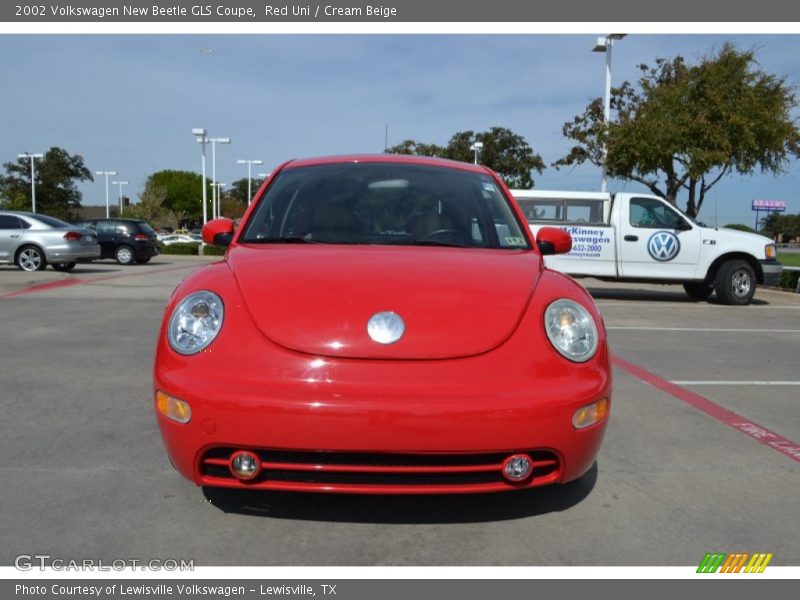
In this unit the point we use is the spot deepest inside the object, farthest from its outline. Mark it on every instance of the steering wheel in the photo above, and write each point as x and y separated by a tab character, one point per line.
441	232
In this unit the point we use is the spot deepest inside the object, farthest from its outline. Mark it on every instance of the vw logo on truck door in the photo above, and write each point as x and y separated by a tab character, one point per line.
663	246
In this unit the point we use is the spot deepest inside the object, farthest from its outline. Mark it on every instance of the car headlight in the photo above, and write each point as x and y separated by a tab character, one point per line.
195	322
770	251
571	330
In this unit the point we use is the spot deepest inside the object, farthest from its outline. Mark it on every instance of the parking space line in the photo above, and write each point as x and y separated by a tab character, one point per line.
761	434
43	287
702	329
735	382
692	305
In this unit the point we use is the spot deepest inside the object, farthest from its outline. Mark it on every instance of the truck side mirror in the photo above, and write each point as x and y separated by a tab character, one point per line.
218	232
552	240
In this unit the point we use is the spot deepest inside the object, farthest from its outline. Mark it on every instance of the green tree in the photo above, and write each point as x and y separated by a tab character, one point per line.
684	127
503	151
238	190
417	149
151	203
57	175
783	227
183	193
231	206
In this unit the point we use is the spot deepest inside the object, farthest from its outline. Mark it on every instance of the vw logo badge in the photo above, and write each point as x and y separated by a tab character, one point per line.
385	327
663	246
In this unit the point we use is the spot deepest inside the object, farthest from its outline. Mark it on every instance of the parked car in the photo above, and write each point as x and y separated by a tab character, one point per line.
168	240
31	241
382	324
125	240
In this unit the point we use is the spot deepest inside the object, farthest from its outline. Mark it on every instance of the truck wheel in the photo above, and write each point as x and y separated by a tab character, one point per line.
698	290
735	282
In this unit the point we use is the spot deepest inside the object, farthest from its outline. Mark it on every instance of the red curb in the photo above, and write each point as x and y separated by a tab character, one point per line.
733	420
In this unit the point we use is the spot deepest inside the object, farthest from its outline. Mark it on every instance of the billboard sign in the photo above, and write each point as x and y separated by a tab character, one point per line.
770	205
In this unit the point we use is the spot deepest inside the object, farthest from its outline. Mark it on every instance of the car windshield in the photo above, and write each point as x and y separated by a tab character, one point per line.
385	204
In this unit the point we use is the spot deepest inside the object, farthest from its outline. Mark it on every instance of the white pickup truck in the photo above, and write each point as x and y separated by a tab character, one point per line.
642	238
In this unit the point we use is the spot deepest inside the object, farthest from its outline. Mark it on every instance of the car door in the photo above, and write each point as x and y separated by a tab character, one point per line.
10	237
106	230
657	241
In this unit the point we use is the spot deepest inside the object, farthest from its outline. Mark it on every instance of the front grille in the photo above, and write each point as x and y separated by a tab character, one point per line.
293	469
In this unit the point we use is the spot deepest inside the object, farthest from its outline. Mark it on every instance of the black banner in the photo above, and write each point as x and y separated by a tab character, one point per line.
388	589
398	11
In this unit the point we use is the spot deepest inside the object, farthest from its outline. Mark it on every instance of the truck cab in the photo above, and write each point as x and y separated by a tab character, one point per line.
639	237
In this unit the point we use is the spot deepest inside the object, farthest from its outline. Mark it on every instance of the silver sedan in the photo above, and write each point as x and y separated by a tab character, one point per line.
31	241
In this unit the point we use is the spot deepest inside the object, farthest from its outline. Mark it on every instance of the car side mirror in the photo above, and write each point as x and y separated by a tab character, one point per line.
552	240
218	232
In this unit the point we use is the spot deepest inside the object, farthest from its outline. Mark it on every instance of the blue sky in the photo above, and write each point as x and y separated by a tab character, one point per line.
128	103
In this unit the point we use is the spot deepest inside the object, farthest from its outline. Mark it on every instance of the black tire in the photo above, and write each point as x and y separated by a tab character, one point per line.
699	290
63	266
735	283
124	255
31	258
143	261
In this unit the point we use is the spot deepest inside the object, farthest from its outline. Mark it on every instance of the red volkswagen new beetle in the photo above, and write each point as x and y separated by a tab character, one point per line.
382	324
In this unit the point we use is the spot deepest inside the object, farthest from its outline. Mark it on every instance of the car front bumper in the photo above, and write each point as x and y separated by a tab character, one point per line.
380	427
772	270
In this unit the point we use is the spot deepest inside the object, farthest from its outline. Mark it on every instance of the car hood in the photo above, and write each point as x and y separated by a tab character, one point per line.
317	299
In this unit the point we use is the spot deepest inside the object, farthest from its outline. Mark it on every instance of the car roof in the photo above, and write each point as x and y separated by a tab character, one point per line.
116	219
387	158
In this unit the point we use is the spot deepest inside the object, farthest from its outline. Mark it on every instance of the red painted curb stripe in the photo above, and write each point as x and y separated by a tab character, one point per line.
43	287
761	434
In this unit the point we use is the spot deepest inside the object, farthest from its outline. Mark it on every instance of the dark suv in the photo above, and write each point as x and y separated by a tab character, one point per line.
125	240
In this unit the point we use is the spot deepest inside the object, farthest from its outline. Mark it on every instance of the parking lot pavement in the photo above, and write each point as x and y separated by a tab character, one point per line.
745	359
16	282
85	475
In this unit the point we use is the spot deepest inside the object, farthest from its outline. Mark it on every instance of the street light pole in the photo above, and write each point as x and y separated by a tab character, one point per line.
120	184
250	164
202	138
476	147
106	173
217	186
33	176
604	44
214	189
